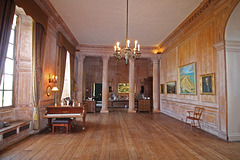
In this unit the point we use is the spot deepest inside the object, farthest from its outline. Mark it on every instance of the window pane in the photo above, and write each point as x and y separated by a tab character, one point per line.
1	86
14	21
8	82
7	98
67	85
10	51
11	40
8	66
1	94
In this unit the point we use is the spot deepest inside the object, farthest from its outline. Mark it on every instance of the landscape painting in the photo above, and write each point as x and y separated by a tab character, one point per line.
171	87
187	79
123	87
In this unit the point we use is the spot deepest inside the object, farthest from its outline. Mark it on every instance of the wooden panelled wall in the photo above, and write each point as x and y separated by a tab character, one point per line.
193	41
118	72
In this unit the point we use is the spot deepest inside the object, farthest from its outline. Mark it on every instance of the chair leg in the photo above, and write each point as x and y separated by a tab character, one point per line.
67	129
199	124
53	128
69	126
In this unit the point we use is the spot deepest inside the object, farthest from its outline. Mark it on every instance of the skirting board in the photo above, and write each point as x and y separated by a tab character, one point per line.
234	137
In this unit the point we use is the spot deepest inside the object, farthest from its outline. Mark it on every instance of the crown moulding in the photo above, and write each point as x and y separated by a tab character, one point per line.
55	19
189	20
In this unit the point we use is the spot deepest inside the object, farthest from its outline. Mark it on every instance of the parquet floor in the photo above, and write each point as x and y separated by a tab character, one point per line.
120	135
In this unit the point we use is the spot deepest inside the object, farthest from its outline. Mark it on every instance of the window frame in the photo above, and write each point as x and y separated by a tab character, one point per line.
13	59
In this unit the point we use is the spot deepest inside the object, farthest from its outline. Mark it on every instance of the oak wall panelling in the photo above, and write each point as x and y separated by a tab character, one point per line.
194	41
118	72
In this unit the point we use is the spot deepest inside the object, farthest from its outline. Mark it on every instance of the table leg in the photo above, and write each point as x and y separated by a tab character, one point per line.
83	123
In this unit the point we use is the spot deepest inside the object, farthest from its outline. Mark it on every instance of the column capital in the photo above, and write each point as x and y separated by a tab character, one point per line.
80	57
131	60
155	59
105	58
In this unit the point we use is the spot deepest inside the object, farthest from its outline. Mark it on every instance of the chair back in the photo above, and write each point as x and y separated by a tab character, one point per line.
198	112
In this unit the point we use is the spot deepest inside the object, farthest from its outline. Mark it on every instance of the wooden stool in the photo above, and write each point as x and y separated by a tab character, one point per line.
62	122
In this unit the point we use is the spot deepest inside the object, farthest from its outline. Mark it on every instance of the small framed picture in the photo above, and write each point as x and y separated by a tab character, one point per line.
110	89
161	88
207	84
171	87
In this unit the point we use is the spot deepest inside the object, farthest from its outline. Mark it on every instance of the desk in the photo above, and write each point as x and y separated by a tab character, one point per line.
90	106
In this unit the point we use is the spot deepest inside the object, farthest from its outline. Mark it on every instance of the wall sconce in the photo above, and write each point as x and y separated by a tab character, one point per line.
52	79
158	50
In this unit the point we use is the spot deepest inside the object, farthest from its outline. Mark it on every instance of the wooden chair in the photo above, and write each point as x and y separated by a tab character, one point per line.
195	116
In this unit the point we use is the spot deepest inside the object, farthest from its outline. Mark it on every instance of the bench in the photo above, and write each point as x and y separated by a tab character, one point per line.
15	132
65	122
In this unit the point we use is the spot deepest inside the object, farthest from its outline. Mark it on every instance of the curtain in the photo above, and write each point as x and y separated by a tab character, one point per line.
72	74
7	10
39	38
62	55
32	9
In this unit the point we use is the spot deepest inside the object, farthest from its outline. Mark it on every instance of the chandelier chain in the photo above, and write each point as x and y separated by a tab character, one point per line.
127	22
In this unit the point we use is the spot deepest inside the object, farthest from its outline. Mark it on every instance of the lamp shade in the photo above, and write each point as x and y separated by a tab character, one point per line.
54	89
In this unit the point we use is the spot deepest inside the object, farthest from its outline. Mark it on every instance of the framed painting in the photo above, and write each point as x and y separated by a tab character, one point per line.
187	79
110	89
161	88
123	87
171	87
207	84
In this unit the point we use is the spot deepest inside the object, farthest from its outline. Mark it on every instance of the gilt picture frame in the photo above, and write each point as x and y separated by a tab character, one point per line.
171	87
207	84
187	79
123	87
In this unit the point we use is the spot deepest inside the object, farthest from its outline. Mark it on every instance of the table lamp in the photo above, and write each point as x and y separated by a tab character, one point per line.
55	89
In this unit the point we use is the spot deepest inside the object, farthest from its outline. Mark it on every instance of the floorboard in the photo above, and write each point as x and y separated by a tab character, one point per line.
120	135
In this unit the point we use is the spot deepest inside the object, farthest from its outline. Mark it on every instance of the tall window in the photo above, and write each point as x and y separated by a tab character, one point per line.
67	85
6	88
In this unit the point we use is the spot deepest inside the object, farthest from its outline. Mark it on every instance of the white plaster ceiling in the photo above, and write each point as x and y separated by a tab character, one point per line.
103	22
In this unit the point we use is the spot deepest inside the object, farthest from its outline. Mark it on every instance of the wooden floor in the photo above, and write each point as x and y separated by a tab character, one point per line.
121	135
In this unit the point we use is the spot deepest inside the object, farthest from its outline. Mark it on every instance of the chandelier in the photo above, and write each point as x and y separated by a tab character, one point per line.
127	52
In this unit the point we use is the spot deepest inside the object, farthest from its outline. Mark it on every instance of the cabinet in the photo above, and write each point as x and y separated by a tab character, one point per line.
145	105
91	106
148	87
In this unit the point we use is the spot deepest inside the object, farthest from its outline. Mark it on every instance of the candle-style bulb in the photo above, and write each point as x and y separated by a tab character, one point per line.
128	43
136	43
138	47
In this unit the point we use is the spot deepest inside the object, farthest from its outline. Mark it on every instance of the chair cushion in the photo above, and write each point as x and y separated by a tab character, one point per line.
62	121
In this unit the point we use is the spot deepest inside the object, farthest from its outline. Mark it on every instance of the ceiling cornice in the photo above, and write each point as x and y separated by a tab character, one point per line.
55	19
189	20
100	50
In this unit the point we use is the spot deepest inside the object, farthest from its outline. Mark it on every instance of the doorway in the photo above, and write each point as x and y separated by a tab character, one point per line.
97	91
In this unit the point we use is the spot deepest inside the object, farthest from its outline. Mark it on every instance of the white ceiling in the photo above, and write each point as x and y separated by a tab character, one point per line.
103	22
